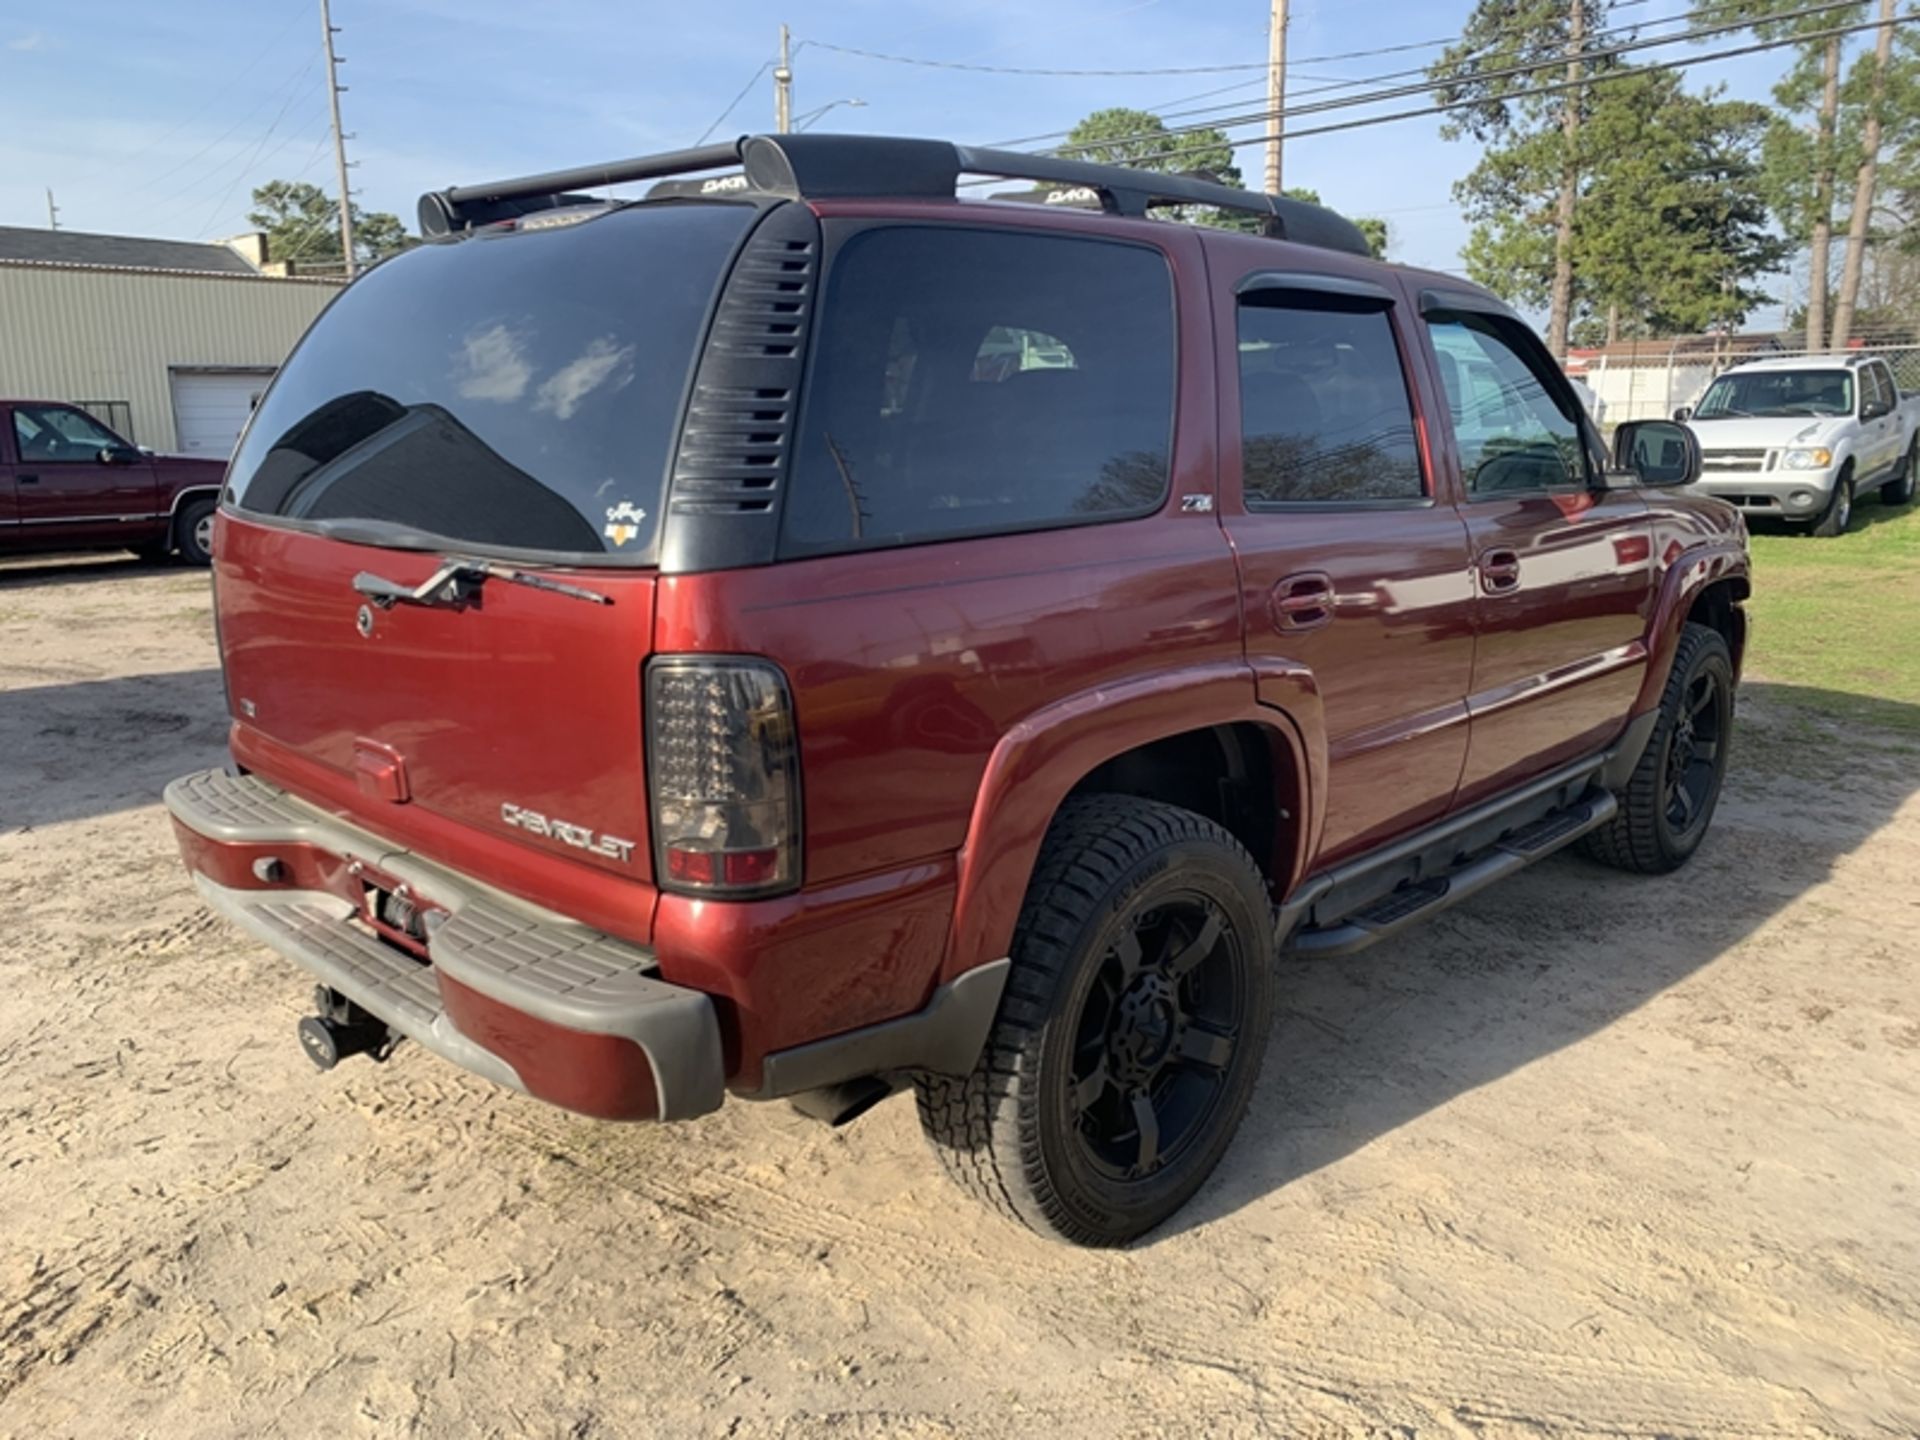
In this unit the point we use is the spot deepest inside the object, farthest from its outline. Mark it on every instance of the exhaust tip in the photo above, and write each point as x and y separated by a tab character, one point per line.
841	1104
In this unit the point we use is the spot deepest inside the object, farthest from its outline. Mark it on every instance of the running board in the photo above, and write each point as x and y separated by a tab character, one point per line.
1400	908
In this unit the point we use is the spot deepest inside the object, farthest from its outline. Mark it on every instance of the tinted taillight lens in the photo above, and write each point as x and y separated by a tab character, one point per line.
724	776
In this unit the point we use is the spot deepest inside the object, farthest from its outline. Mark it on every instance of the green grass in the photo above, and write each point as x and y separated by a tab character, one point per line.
1836	622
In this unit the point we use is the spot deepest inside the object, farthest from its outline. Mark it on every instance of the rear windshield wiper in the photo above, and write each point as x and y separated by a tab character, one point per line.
458	579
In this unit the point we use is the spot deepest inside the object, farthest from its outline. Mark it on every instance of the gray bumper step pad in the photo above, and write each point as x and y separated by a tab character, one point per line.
532	960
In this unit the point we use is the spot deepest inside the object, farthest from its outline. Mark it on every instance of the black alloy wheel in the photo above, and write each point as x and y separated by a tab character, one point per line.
1156	1037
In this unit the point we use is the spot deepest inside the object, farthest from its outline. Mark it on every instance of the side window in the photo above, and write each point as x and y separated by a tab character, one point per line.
1324	410
971	381
53	434
1512	431
1879	392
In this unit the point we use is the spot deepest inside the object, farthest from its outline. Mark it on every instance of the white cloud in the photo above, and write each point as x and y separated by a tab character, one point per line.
563	391
492	367
32	40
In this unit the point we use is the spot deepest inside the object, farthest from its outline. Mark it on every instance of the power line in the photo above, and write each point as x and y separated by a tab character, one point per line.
1026	70
265	100
1243	66
253	159
1361	80
1555	87
207	180
734	104
1401	92
255	164
214	99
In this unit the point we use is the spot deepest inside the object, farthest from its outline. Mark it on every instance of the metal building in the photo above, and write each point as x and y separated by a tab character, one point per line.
168	342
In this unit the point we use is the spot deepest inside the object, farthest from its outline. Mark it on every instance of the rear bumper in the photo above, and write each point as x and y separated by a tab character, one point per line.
522	996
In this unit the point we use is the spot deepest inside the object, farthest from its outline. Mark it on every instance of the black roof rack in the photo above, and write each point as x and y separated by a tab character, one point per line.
816	167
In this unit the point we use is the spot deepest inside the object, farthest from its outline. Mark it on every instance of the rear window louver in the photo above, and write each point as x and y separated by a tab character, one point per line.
739	425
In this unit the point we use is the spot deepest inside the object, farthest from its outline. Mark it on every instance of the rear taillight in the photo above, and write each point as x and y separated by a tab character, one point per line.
723	771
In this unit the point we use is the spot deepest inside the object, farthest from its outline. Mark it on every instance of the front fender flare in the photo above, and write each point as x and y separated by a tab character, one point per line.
1687	576
1039	760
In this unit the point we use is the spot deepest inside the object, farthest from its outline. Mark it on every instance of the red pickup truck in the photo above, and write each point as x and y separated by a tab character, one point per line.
67	482
806	634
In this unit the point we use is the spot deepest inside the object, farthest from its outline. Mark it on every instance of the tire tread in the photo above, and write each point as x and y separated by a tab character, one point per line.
1631	839
986	1141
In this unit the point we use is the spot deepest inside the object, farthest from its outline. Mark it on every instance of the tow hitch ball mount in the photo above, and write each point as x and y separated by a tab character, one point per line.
340	1029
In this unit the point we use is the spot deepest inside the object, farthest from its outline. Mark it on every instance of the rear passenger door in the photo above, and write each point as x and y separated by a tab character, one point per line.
1353	563
1563	570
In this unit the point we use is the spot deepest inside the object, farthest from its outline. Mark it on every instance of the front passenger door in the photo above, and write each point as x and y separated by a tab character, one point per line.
63	490
1563	569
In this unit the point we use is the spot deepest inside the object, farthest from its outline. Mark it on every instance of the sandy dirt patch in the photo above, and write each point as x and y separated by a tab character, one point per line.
1590	1155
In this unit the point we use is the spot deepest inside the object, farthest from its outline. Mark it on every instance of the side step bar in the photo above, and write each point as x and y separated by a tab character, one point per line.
1400	908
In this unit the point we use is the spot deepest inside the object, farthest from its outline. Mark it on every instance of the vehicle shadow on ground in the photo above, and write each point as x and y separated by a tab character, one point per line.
81	569
1869	510
81	749
77	569
1363	1045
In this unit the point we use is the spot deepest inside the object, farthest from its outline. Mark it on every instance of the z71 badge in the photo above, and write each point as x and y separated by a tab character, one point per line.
578	836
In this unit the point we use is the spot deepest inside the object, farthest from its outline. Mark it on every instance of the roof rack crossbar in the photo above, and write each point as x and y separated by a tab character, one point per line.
844	166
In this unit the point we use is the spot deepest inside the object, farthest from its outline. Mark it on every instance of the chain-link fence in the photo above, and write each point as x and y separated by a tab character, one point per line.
1650	379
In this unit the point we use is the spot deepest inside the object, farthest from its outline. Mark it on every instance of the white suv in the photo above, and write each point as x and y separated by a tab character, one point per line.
1799	437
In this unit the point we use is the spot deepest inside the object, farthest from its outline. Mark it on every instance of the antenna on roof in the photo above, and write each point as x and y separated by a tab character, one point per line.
53	211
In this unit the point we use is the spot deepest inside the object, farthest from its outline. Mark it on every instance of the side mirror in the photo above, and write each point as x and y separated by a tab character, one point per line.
1683	414
118	455
1655	452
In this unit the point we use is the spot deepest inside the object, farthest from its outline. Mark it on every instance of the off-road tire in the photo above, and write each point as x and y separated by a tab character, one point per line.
1900	489
1839	511
1641	836
190	536
1010	1133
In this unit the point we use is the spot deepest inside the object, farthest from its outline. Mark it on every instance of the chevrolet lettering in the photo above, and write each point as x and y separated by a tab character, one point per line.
578	836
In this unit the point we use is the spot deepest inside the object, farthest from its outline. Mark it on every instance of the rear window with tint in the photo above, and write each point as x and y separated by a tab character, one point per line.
969	382
517	390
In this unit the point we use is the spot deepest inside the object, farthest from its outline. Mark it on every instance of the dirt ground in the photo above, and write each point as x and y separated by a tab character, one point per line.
1589	1155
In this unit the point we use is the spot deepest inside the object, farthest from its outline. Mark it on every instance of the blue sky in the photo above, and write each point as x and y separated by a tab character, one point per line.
158	119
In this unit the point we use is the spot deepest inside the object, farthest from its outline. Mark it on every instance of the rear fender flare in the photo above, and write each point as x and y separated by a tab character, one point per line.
1039	760
1687	577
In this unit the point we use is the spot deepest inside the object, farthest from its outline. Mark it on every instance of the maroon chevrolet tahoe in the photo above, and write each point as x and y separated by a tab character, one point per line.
67	482
806	633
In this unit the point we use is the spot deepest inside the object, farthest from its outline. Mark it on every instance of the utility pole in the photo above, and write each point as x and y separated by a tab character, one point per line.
1560	303
1853	264
1276	91
783	87
334	87
53	211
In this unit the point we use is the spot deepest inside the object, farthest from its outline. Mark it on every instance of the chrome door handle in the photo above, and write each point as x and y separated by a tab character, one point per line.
1499	571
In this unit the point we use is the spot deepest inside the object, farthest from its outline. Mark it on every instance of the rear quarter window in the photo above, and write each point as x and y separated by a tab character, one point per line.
969	381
